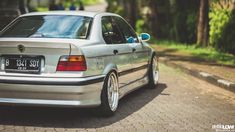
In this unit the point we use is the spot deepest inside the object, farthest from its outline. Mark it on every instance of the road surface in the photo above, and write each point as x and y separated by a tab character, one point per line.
180	103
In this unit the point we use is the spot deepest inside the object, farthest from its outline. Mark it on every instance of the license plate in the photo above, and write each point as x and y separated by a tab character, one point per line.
24	64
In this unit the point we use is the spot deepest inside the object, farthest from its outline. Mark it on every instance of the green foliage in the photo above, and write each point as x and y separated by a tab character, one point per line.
114	6
177	20
85	2
41	9
140	26
119	10
218	19
91	2
222	25
227	39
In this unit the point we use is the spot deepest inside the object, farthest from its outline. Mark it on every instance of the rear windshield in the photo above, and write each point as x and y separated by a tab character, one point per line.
51	26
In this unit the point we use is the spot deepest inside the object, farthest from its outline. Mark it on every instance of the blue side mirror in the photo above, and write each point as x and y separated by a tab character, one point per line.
130	40
145	36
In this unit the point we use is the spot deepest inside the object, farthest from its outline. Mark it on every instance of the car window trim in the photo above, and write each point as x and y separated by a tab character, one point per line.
89	28
105	29
130	29
110	20
119	30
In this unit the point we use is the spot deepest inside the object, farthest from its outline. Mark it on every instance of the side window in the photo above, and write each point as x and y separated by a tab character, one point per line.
127	30
111	32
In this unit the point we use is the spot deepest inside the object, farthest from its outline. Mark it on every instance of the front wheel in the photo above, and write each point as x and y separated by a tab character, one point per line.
153	73
109	95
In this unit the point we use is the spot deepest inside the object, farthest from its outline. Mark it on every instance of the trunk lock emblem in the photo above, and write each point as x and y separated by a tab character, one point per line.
21	48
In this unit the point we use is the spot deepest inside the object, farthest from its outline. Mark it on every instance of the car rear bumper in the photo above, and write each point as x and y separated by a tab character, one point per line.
58	92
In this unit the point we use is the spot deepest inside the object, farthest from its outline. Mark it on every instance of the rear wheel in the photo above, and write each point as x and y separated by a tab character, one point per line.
109	95
153	74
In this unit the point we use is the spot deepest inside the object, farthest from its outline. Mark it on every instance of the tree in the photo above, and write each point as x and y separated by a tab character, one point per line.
133	12
173	19
203	24
157	18
233	4
153	19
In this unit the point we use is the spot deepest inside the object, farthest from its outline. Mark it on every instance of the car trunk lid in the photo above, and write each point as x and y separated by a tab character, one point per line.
48	50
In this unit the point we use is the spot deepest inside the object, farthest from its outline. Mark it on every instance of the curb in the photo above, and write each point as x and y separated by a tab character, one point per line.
215	80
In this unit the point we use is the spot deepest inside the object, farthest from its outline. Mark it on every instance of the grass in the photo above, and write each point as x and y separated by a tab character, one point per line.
209	54
91	2
41	9
85	2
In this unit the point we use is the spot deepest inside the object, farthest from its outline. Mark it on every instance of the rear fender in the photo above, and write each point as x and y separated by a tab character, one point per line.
110	67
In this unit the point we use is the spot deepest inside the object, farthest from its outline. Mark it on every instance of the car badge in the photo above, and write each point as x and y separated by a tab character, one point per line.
21	48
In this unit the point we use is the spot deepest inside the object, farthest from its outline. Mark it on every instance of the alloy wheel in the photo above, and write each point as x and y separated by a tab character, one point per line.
112	90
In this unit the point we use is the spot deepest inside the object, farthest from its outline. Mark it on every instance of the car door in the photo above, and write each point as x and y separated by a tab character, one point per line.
120	50
140	53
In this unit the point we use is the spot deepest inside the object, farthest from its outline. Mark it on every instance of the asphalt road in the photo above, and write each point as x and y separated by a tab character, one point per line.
180	103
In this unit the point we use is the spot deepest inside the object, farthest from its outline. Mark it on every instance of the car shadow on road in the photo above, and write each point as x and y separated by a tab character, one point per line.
77	118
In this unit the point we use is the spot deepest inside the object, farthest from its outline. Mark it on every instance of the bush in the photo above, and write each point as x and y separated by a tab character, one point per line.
227	39
222	25
218	19
141	26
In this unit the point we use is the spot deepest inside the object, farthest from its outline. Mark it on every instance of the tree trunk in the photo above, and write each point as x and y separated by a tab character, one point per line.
153	19
38	2
233	4
203	24
133	13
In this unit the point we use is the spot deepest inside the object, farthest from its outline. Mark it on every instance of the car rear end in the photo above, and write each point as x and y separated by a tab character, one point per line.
42	66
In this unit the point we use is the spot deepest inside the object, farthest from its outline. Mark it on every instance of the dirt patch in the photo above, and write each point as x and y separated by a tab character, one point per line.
190	61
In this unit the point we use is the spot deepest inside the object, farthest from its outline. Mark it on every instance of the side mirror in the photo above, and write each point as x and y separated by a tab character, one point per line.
144	37
130	40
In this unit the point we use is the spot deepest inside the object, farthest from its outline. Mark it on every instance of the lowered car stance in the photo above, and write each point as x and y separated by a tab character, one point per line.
73	59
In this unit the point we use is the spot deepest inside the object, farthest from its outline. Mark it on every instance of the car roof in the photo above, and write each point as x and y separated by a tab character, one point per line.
78	13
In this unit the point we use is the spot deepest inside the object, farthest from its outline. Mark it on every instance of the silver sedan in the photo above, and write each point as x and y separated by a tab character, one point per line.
73	59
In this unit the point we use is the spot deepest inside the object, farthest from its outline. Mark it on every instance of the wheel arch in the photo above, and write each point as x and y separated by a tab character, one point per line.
153	53
109	68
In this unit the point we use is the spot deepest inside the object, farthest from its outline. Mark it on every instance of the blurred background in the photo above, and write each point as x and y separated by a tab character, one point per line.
207	24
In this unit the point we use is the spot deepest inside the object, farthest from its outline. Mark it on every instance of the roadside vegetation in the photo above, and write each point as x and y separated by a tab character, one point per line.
208	54
85	2
202	23
201	28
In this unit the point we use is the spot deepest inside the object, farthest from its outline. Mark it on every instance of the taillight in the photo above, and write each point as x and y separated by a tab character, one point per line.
72	63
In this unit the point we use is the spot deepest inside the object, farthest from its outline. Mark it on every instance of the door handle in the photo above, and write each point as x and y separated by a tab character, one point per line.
115	52
133	49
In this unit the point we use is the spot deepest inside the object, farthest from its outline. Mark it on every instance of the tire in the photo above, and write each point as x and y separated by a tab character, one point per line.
153	73
109	95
